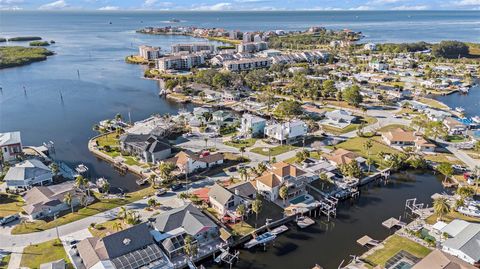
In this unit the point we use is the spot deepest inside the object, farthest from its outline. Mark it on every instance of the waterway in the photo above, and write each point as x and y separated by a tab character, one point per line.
470	102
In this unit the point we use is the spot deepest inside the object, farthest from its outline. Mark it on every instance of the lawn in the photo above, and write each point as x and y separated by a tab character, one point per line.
241	143
356	145
349	128
110	140
135	59
242	228
100	206
4	261
455	138
129	160
108	227
273	151
393	127
432	103
443	158
451	216
10	204
35	255
392	246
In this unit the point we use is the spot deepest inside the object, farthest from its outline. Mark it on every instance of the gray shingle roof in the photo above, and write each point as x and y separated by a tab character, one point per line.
467	241
10	138
188	217
27	169
220	194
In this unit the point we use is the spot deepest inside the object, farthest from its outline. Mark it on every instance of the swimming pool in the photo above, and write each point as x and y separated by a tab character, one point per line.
304	198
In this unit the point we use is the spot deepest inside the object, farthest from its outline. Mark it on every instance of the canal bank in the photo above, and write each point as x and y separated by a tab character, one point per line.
328	243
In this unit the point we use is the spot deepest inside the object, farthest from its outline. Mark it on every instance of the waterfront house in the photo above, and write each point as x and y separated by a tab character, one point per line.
10	146
154	125
436	114
148	148
342	156
44	201
290	130
281	173
172	227
464	242
187	161
131	248
252	124
27	174
454	126
225	202
244	189
401	138
149	52
438	259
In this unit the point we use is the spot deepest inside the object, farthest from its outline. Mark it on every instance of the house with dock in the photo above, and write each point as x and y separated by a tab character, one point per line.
225	202
148	148
27	174
463	241
341	157
189	162
402	139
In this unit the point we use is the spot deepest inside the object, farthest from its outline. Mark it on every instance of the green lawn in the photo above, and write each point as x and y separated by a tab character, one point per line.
4	262
242	228
108	227
129	160
433	103
241	143
356	145
451	216
10	204
393	127
456	138
100	206
349	128
110	140
392	246
443	158
274	151
35	255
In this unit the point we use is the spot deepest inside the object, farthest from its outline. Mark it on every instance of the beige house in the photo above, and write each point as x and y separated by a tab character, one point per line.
281	173
402	138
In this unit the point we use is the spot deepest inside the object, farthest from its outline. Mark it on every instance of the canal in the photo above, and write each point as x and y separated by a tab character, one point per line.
329	243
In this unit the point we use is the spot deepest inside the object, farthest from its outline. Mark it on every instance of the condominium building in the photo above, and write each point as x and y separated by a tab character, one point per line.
252	46
195	47
247	64
149	52
182	62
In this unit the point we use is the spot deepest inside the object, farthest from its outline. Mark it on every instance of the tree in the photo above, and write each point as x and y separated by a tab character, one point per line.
352	95
241	210
287	109
450	49
256	208
80	182
328	88
190	246
445	169
165	170
106	187
68	199
261	167
243	173
242	150
118	117
83	200
441	207
151	180
301	156
267	98
283	192
435	129
183	195
420	121
54	169
122	213
351	169
465	192
117	226
132	218
367	146
152	202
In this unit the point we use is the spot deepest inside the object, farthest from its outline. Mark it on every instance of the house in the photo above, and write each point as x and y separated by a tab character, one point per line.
44	201
131	248
191	48
10	146
378	66
221	116
245	189
436	114
286	131
454	127
279	174
402	138
342	156
148	148
27	174
340	116
465	243
252	124
252	46
172	227
230	95
225	202
438	259
190	162
370	46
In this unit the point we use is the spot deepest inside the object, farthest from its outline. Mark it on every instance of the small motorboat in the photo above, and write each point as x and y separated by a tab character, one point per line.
476	119
261	239
279	230
459	109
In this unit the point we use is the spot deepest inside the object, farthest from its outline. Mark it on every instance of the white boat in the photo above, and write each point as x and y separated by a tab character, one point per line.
464	89
279	230
304	222
460	109
476	119
100	182
261	239
471	211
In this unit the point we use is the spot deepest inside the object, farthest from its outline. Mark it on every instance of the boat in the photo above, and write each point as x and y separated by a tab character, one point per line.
261	239
279	230
464	89
471	211
304	222
459	109
141	181
476	119
81	169
174	20
162	92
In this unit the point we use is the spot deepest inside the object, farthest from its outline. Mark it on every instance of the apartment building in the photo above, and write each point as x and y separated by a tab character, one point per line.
181	62
149	52
247	64
191	48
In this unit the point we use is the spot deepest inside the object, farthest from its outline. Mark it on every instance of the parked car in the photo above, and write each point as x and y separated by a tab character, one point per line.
161	192
176	187
9	219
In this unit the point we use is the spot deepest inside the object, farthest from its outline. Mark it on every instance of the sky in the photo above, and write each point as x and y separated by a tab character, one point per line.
247	5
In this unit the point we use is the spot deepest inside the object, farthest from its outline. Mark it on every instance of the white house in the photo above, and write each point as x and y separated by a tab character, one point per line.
340	116
286	131
190	162
27	174
10	146
465	243
378	66
252	124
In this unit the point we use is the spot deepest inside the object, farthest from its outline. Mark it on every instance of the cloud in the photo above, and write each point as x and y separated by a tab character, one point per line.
467	3
215	7
149	3
60	4
9	2
109	8
383	2
418	7
252	1
361	8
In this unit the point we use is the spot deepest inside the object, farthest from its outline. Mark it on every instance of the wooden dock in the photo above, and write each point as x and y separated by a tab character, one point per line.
366	241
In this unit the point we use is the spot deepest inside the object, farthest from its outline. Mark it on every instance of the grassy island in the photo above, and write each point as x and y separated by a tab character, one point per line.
18	56
39	43
25	38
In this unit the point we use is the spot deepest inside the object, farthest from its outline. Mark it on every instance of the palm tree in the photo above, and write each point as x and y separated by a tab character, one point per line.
54	169
446	169
242	150
256	208
241	210
243	173
190	247
367	146
132	217
152	202
283	192
165	170
118	117
117	226
151	180
68	199
441	207
80	182
122	213
83	200
261	167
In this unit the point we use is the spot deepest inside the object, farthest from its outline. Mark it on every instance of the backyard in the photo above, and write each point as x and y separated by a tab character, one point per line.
35	255
392	246
356	145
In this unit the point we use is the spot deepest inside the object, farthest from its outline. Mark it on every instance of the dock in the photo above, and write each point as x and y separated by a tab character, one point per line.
366	241
393	222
